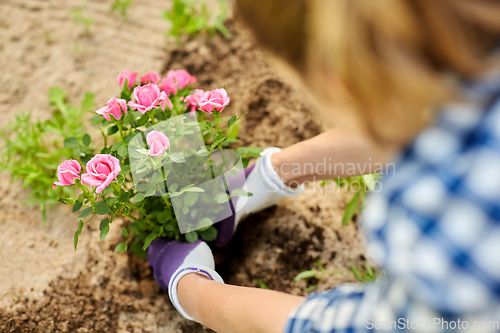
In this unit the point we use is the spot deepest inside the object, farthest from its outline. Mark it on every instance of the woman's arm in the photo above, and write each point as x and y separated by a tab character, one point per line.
335	153
234	309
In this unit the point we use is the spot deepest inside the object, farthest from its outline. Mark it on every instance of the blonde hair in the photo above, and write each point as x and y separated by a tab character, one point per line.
393	57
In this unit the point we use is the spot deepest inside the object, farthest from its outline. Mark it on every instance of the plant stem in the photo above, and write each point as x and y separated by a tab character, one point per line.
105	139
152	117
120	130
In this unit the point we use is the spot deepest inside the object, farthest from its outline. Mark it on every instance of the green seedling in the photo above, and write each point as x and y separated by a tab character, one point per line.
189	17
261	284
318	274
360	185
32	150
121	6
365	274
80	20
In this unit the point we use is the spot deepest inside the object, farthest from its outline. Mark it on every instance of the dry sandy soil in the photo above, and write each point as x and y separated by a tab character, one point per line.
46	286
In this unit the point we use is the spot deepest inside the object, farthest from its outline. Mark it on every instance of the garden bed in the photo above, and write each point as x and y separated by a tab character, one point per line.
51	288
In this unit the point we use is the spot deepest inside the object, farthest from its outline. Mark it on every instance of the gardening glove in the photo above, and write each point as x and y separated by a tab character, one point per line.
171	260
267	189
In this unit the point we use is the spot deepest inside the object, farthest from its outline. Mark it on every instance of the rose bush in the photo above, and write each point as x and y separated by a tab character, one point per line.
105	186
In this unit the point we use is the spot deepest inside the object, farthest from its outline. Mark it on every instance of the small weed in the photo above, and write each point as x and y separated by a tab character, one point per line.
80	20
122	7
360	185
48	37
365	274
318	274
190	17
261	284
32	150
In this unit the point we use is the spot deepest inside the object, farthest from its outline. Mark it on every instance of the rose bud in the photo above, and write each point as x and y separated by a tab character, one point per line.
114	107
158	143
127	76
194	99
67	172
168	86
151	77
182	78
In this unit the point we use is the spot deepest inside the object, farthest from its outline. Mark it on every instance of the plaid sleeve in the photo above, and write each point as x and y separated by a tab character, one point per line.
435	229
345	308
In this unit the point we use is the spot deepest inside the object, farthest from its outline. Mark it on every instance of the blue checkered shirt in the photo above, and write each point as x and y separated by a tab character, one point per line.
435	230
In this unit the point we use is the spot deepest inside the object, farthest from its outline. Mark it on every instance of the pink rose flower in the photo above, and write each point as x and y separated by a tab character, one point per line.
114	107
194	99
102	169
129	77
148	97
168	86
67	172
151	77
158	143
182	78
217	99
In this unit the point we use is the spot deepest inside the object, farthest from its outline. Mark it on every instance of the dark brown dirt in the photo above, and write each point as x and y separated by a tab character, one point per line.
116	292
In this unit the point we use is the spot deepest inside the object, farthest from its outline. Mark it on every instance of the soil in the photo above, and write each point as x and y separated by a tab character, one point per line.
46	286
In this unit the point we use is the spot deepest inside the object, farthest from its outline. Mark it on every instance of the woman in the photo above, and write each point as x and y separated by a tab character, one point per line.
417	77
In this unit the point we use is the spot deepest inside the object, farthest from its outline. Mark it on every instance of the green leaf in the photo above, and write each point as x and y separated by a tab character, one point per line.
129	137
96	120
87	102
122	247
190	199
138	197
194	189
78	233
350	209
208	235
231	121
71	142
191	236
137	249
202	152
56	94
77	206
104	228
163	216
115	146
312	287
112	130
305	275
84	213
217	141
122	150
370	180
357	274
206	222
125	232
143	120
102	208
86	139
239	192
124	196
177	158
152	236
221	198
261	284
129	117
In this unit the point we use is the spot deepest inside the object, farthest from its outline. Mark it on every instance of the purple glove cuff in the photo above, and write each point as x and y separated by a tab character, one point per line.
166	256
